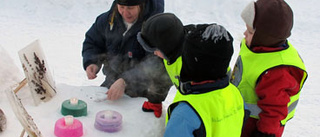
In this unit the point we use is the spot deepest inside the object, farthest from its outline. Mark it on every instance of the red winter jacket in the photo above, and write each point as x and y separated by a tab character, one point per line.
274	89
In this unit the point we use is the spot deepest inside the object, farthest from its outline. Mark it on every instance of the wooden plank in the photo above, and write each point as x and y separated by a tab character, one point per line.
21	84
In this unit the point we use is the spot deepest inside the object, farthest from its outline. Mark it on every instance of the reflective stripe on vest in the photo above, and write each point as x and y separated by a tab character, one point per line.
255	110
221	111
250	66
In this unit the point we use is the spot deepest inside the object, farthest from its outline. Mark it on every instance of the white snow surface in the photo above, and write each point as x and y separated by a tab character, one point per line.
60	26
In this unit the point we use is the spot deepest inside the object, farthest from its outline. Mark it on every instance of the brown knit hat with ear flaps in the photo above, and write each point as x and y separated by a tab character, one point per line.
272	23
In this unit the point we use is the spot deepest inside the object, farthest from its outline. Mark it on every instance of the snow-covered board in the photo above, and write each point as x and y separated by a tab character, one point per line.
36	70
22	115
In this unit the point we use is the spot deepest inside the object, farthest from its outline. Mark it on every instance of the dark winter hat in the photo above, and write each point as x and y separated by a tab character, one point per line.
129	2
206	53
273	21
165	32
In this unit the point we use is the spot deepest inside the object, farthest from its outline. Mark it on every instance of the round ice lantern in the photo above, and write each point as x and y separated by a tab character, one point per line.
108	121
74	107
68	127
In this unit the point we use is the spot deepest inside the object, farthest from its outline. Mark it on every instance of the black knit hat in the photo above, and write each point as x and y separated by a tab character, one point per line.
129	2
206	53
165	32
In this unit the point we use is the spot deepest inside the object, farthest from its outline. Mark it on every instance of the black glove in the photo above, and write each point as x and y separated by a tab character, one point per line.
258	133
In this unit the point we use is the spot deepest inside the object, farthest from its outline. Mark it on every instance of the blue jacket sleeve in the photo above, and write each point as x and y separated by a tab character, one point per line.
183	121
94	43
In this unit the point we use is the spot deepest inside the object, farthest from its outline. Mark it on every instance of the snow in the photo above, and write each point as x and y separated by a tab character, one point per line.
60	26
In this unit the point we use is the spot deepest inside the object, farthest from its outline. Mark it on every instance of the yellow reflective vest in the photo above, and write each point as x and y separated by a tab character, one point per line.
221	111
250	66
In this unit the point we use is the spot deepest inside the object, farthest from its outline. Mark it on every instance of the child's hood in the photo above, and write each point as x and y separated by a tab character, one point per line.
272	21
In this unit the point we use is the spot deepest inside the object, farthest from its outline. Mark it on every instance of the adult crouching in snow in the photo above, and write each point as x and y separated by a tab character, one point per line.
111	43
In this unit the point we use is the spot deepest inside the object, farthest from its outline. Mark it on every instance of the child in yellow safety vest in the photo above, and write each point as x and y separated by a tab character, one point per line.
269	72
196	58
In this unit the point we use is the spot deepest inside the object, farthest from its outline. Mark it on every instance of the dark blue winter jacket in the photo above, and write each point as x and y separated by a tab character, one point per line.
105	43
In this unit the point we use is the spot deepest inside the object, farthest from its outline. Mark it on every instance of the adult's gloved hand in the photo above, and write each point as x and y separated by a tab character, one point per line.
116	90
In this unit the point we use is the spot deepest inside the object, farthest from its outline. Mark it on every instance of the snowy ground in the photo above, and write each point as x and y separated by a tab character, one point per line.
60	26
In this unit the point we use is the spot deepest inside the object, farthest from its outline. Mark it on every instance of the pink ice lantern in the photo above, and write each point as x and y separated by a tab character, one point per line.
68	127
108	121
